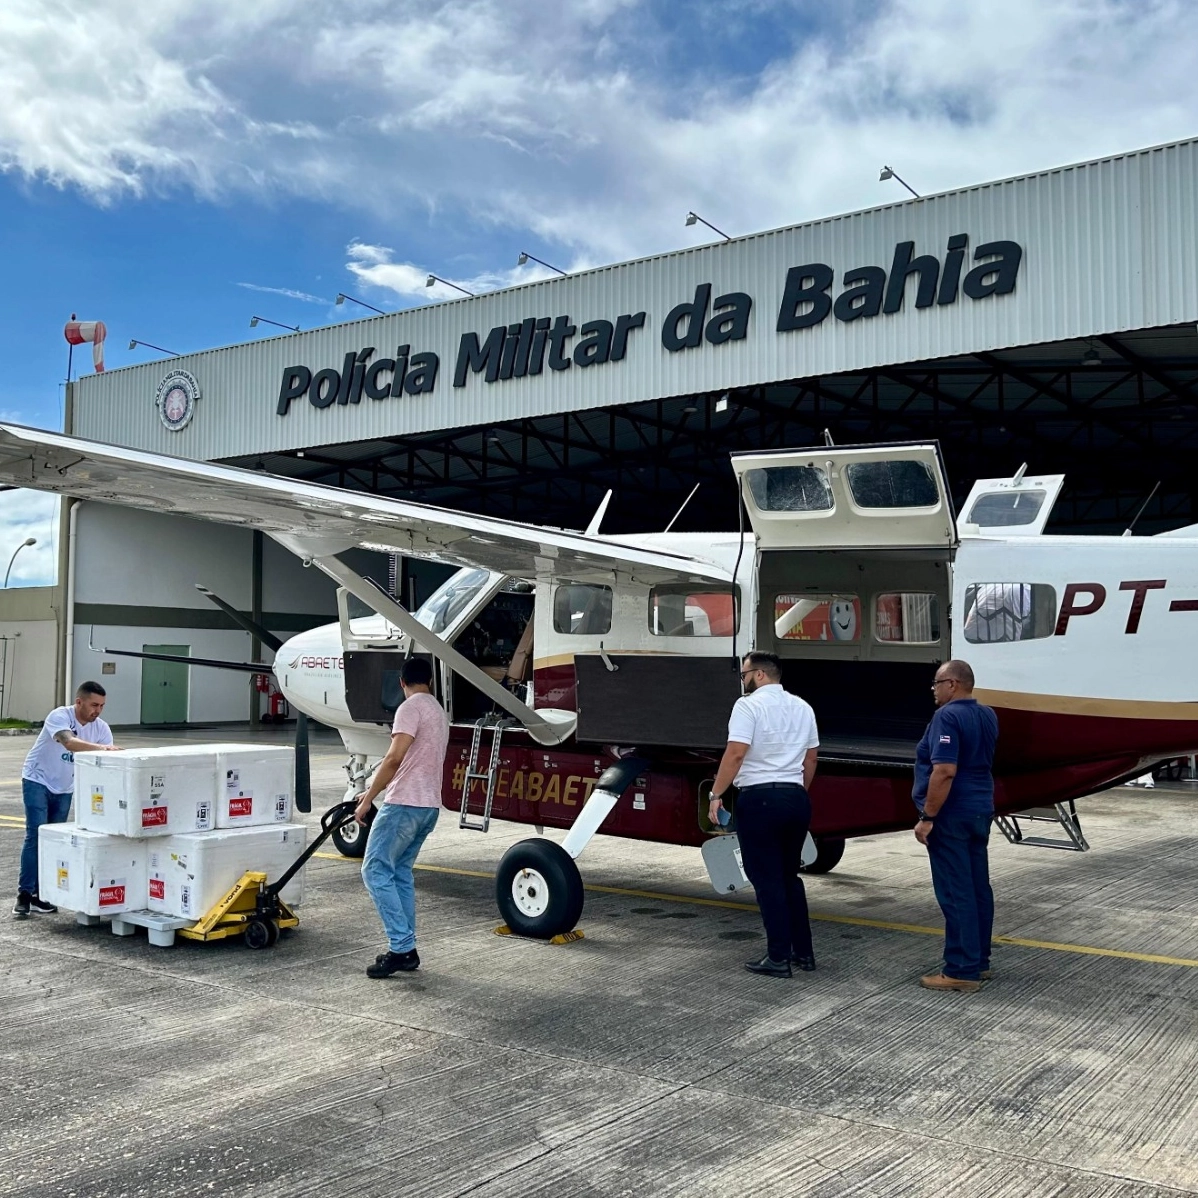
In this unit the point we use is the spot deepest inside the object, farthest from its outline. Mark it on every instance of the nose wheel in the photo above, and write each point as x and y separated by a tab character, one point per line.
538	889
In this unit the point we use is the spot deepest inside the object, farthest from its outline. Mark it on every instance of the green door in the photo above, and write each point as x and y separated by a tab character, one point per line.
164	686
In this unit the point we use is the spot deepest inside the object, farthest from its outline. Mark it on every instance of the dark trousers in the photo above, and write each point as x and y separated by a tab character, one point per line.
772	824
961	878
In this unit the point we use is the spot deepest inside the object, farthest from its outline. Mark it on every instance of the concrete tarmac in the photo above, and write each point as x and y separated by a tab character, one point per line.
642	1060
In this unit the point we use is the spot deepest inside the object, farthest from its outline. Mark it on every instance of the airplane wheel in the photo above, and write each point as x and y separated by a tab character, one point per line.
538	889
350	838
828	852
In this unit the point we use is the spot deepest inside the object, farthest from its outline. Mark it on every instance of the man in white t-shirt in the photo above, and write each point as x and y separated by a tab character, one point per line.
412	774
48	780
773	746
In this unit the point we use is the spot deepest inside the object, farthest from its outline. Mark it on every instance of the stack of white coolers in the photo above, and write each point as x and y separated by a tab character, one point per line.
171	830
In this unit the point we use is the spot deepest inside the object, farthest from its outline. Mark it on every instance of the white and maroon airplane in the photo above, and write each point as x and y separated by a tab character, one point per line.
589	678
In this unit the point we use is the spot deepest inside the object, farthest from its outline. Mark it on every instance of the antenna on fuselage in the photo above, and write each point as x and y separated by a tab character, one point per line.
1127	530
828	437
684	503
1018	477
597	518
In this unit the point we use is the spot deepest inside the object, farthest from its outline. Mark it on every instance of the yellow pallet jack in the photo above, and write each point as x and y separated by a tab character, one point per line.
251	907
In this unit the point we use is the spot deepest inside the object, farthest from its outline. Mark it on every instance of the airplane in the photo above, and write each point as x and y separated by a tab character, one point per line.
589	678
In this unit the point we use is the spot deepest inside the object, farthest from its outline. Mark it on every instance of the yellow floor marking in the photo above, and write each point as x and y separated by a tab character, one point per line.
853	920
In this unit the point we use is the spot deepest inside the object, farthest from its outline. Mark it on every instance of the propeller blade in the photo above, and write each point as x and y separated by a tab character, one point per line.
267	637
303	768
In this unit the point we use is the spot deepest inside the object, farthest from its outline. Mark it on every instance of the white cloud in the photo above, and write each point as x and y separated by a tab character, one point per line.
288	292
29	514
586	128
373	265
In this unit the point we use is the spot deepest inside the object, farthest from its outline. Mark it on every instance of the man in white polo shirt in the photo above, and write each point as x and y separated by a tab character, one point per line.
48	780
771	756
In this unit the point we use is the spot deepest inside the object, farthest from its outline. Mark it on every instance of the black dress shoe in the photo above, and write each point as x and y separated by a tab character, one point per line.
770	967
386	964
806	964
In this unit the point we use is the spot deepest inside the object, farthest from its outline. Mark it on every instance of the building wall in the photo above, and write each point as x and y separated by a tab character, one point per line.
135	576
1100	255
29	650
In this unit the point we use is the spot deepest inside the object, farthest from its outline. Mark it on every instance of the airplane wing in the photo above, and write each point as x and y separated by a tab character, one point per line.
317	521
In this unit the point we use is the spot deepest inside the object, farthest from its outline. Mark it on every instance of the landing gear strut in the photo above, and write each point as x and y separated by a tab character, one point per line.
350	838
538	887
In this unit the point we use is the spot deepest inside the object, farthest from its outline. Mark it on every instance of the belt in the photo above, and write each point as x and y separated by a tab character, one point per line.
770	786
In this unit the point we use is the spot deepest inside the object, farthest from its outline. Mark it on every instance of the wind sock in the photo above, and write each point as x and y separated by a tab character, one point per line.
78	331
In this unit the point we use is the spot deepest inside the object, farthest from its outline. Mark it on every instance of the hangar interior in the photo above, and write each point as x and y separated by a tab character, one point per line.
1118	415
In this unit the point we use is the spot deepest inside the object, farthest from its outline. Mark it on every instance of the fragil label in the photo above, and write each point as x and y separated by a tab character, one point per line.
153	817
157	888
113	895
241	806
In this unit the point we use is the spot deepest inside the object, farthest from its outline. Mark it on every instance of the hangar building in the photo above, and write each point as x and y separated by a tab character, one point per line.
1047	319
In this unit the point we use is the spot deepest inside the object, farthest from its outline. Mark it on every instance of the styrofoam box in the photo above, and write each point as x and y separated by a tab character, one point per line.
188	874
147	792
91	872
255	785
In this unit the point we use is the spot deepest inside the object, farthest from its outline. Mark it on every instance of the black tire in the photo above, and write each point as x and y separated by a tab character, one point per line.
538	889
350	838
828	852
260	933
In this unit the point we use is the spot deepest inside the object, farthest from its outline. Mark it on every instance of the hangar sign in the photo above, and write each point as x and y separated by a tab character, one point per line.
530	346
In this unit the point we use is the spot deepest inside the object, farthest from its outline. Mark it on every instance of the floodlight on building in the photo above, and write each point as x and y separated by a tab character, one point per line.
256	320
888	172
525	256
133	344
342	297
694	217
437	279
1091	357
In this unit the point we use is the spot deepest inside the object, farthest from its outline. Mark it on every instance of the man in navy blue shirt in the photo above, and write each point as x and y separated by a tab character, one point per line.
954	792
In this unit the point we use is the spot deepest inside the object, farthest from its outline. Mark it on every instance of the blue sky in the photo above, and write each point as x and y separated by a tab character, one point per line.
161	165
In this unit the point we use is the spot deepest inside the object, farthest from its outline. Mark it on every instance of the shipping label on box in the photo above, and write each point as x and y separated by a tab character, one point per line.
97	800
112	894
241	807
203	816
62	874
282	808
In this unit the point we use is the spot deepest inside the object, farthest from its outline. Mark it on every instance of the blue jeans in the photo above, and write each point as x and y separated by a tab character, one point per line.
395	838
961	879
42	806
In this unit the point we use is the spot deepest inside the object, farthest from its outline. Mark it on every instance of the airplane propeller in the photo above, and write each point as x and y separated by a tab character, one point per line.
303	765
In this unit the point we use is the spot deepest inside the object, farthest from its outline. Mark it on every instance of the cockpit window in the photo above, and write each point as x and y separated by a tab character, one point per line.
450	599
902	483
1006	509
790	489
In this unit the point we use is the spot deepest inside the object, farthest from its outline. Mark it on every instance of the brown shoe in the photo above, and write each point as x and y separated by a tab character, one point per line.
940	981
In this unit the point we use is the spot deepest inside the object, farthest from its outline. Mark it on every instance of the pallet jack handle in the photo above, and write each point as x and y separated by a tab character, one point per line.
334	818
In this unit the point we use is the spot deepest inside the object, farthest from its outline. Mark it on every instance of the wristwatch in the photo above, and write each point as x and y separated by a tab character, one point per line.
926	819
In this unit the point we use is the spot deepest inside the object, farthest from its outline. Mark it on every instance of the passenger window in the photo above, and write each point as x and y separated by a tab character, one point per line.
817	617
907	618
790	489
583	609
683	611
892	484
1006	509
997	612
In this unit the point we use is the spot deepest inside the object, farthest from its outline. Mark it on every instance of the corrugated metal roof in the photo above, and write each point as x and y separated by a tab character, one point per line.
1103	253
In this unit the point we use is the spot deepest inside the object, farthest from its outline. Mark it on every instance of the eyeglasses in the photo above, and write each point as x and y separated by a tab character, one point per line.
942	682
745	673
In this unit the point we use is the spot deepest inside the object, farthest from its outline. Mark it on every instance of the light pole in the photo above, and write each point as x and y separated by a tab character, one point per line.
888	173
437	279
26	541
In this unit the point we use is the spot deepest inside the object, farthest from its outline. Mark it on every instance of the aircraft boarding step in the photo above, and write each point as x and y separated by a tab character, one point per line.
1064	814
489	775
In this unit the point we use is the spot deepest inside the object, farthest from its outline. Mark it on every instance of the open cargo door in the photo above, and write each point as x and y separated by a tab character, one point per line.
840	497
1011	507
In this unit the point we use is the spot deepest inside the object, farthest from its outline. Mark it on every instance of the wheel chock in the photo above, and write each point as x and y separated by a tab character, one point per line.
560	938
